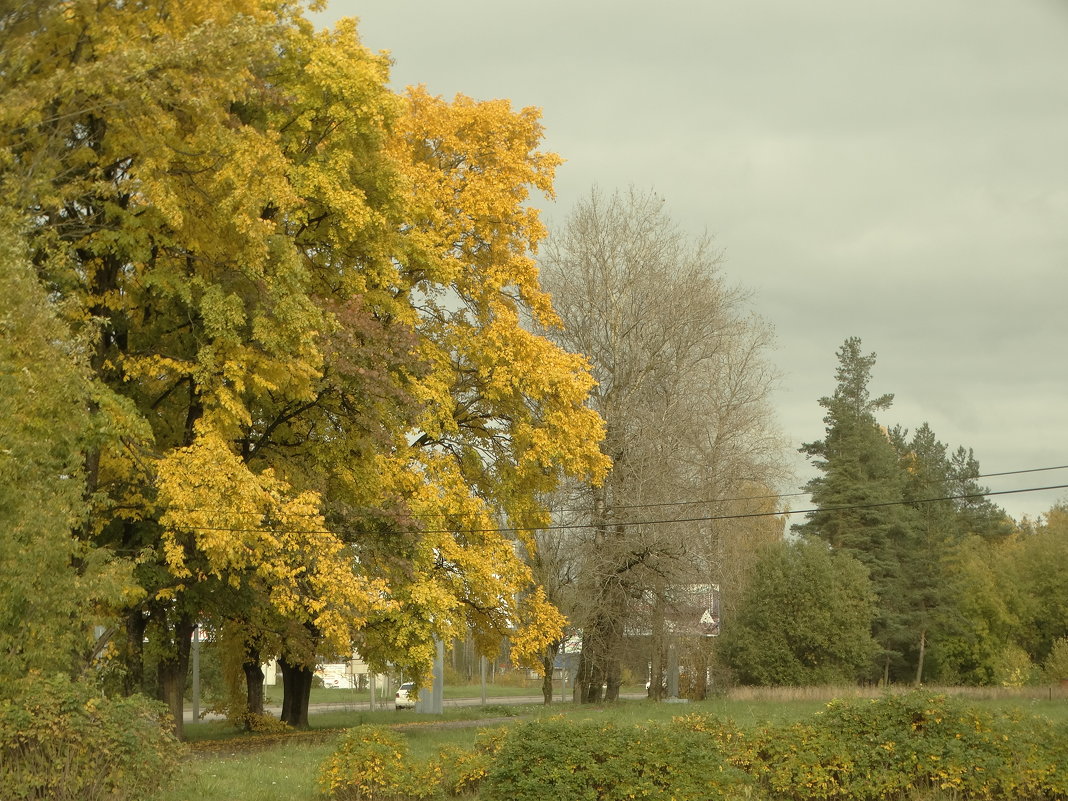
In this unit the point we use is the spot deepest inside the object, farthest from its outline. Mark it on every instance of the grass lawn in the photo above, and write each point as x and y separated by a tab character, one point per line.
320	695
225	765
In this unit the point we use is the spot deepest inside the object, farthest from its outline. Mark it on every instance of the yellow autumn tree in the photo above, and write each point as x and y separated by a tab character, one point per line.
503	410
194	204
303	301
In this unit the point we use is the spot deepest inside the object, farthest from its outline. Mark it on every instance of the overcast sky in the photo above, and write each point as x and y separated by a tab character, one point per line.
896	171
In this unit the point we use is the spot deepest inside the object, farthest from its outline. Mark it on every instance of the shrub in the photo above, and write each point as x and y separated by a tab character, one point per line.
462	770
264	724
1012	667
588	761
60	740
890	747
1055	668
369	764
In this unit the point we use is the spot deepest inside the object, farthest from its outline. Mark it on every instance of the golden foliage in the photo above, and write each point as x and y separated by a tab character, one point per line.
283	273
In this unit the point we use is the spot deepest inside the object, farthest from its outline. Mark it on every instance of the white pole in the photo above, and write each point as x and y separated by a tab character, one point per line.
196	673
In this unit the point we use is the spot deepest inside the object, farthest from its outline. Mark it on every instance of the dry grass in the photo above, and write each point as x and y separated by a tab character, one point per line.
829	693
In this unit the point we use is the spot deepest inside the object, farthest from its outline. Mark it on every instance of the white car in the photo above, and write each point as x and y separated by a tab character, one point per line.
405	698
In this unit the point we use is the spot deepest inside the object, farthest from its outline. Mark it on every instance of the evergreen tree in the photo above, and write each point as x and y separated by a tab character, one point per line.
910	511
933	529
859	495
976	514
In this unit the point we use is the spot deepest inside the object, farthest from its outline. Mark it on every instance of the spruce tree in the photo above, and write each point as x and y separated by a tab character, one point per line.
859	496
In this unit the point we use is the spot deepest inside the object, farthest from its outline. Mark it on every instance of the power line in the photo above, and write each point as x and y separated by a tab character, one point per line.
662	504
776	496
786	513
1020	472
702	519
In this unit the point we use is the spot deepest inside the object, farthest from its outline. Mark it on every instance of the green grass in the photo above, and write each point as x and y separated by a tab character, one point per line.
219	730
225	765
320	695
282	773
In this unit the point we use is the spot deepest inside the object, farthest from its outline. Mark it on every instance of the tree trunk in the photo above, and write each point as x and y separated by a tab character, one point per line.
133	657
296	693
919	661
253	682
172	671
578	686
595	682
606	649
548	666
613	679
287	691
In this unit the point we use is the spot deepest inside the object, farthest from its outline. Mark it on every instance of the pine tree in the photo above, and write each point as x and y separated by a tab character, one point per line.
934	528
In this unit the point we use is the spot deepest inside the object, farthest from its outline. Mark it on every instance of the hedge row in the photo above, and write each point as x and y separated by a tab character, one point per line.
895	747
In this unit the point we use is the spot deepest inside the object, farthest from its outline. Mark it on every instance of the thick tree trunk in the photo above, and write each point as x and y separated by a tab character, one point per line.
595	682
287	691
613	679
296	693
578	686
172	671
604	649
602	665
548	666
253	682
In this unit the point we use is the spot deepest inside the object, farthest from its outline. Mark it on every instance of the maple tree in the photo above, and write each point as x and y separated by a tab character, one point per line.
503	414
282	270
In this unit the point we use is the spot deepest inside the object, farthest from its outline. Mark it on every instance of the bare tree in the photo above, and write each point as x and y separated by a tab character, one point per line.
683	386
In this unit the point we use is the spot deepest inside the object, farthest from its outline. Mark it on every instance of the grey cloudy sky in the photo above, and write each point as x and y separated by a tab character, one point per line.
896	171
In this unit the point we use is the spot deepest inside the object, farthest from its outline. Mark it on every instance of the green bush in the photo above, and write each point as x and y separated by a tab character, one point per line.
1055	668
915	745
60	740
894	746
588	761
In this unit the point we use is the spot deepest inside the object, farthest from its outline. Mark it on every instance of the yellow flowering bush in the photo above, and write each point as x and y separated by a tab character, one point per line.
370	764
